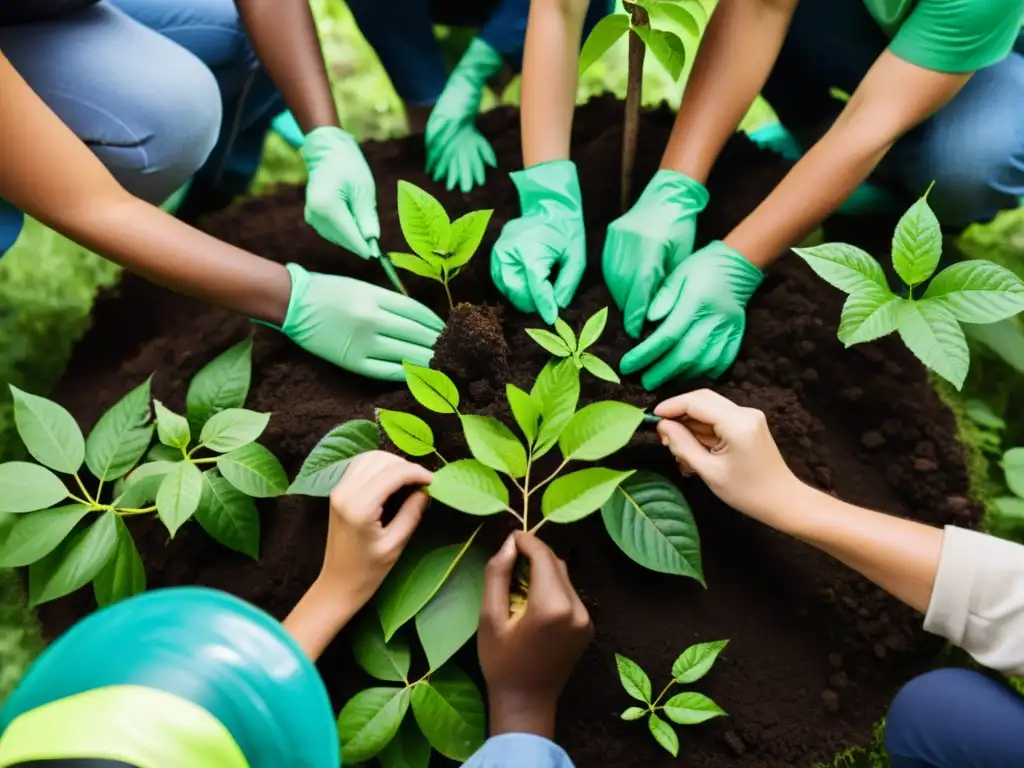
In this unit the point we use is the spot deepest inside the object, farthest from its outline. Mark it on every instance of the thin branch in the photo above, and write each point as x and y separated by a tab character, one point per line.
85	492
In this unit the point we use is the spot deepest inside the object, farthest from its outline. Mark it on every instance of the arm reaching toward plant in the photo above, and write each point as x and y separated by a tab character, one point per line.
970	585
360	550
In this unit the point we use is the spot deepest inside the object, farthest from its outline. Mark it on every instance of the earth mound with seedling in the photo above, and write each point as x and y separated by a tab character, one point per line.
814	654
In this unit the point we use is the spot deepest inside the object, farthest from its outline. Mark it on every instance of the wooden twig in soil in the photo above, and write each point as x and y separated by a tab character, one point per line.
634	88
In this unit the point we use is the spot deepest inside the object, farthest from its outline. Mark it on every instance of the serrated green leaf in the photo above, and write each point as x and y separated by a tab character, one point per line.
593	328
932	333
409	433
557	389
221	383
369	720
574	496
599	367
449	620
525	410
74	563
179	495
599	430
846	267
978	292
469	486
27	487
379	658
494	445
141	486
549	341
696	661
1013	468
254	470
664	734
37	534
667	48
450	712
124	575
634	713
650	520
466	235
869	313
229	516
416	265
432	389
323	468
565	334
232	428
48	431
171	428
121	436
423	220
691	708
678	15
602	37
634	680
917	243
409	749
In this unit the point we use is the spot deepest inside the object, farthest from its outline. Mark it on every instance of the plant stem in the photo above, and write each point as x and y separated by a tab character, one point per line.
442	458
662	694
82	501
516	515
550	477
85	492
634	88
526	491
127	512
448	293
209	460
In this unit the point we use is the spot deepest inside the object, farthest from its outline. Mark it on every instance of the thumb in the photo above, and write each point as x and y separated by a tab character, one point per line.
685	446
497	585
403	525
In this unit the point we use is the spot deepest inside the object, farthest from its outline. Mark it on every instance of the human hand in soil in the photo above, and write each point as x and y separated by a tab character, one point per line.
649	241
358	326
549	234
702	307
341	198
528	658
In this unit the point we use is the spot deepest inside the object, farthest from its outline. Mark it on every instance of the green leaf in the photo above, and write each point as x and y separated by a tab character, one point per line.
557	389
667	48
221	383
254	470
161	452
467	233
381	659
1009	516
869	313
228	515
37	534
49	432
326	463
424	223
846	267
981	413
409	433
409	749
691	708
74	563
1013	467
493	444
121	436
369	721
549	341
172	429
232	428
650	520
603	36
599	367
565	334
179	495
931	332
696	661
469	486
978	292
525	410
574	496
450	618
634	713
142	485
680	16
413	582
664	734
1005	339
599	430
635	681
450	712
593	329
432	389
416	265
917	243
124	575
26	487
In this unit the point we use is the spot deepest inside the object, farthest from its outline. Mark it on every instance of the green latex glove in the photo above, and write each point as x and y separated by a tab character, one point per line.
649	241
341	200
457	153
358	326
703	304
550	233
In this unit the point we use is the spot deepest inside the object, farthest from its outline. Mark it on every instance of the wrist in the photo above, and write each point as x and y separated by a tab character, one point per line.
792	508
512	712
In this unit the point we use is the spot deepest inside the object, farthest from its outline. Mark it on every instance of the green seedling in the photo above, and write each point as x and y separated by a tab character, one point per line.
687	708
206	465
928	319
441	247
564	344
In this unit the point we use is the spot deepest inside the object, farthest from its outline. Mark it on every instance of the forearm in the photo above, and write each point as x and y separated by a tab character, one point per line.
284	35
550	75
736	55
319	616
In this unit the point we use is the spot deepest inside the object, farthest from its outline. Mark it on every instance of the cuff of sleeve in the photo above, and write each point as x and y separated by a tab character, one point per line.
949	607
300	279
520	750
554	182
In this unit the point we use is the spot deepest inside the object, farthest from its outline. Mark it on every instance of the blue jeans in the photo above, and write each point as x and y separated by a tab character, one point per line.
402	34
973	148
955	718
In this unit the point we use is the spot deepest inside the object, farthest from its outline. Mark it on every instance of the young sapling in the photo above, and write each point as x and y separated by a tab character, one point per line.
564	344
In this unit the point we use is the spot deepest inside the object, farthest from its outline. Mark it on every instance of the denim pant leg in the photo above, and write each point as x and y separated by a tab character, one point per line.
147	108
955	718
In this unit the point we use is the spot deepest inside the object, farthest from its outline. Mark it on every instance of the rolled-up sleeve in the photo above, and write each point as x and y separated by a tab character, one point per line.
520	750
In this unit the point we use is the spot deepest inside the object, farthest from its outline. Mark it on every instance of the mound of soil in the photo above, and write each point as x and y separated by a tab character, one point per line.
816	652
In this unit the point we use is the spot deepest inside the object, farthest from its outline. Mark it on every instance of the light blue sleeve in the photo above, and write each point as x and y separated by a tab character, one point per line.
520	750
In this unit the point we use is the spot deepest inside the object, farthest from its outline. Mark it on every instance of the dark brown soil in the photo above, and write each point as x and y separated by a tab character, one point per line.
816	652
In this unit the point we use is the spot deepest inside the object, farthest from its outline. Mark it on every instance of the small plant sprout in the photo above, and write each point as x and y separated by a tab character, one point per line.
687	708
928	319
564	344
441	247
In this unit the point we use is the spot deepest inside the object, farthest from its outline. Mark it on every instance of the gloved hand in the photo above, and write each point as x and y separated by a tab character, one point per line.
550	232
456	151
358	326
341	200
703	304
649	241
